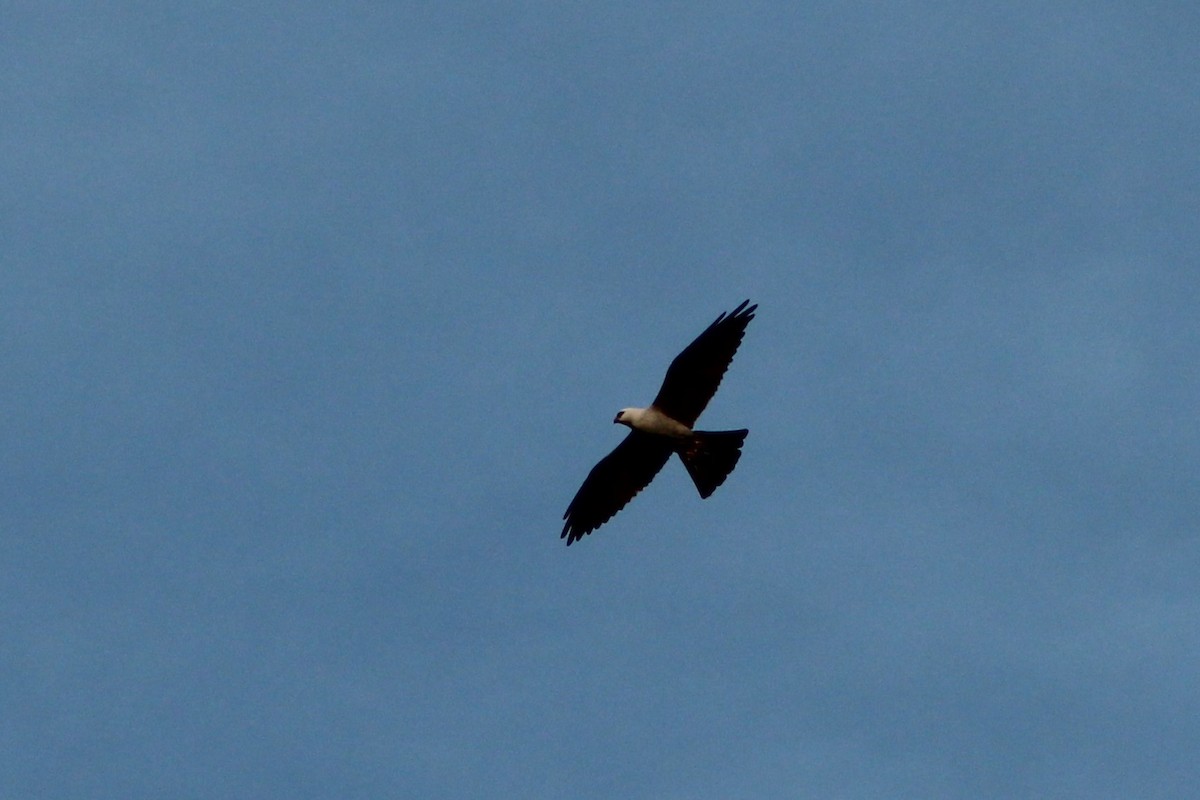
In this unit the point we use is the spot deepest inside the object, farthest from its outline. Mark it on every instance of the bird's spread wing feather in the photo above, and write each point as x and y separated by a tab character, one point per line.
613	482
694	375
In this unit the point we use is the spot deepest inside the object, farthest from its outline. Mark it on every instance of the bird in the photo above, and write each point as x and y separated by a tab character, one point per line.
665	427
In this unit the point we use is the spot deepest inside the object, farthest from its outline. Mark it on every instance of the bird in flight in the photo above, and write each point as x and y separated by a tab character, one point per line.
665	428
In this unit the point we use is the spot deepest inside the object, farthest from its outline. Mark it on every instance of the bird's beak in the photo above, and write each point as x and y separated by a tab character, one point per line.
616	419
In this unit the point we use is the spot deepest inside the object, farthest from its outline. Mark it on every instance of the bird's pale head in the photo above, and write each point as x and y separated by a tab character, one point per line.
624	417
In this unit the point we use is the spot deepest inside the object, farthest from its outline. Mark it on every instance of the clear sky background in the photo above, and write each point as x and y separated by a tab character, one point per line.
313	318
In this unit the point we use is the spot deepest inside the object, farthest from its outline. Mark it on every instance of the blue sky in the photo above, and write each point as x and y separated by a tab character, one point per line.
314	319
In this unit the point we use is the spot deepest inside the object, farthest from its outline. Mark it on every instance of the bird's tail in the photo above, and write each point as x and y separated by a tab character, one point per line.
710	456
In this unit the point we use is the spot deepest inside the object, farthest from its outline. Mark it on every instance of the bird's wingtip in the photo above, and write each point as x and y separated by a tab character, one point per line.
743	311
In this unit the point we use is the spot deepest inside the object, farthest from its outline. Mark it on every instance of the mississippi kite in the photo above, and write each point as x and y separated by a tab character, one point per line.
666	427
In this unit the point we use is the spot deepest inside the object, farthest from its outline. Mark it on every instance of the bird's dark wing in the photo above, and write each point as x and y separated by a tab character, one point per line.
615	481
694	375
